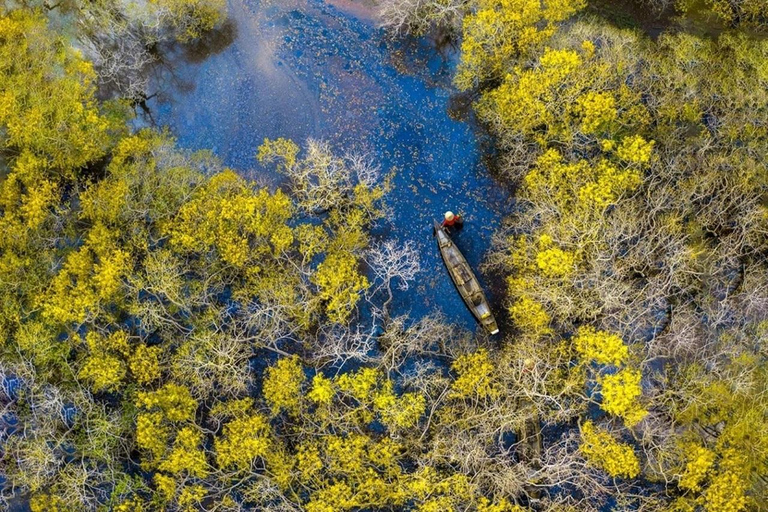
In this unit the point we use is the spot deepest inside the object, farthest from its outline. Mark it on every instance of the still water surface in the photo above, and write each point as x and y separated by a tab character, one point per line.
307	69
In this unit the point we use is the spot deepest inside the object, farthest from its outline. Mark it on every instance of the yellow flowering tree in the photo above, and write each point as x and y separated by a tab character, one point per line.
283	384
340	284
190	19
47	102
620	393
600	346
475	376
497	32
603	451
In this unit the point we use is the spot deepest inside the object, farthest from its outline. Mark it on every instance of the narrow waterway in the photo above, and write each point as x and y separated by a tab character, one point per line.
307	69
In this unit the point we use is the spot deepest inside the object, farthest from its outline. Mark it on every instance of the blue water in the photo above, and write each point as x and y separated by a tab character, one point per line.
304	69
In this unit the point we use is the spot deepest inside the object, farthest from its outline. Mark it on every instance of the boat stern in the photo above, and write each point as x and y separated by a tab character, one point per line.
489	322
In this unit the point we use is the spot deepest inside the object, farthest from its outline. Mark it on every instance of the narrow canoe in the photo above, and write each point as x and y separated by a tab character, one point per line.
465	281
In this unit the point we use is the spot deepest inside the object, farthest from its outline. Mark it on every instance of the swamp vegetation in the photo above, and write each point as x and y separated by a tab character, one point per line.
177	336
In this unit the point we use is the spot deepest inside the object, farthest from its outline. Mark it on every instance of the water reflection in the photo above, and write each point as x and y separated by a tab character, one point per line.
304	68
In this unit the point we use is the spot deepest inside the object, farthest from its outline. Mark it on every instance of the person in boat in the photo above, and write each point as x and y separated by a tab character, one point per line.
452	222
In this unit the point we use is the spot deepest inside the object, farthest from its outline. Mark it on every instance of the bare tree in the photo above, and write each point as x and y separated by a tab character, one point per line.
429	336
213	361
391	264
322	181
561	465
418	16
336	344
122	61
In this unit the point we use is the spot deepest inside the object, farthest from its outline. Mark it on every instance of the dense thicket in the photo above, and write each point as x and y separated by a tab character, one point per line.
174	337
638	248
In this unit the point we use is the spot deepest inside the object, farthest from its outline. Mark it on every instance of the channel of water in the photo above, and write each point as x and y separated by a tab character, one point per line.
308	69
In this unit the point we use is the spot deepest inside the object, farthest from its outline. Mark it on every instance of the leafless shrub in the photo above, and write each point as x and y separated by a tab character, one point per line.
122	62
337	344
211	362
266	325
561	465
418	16
391	264
429	336
322	181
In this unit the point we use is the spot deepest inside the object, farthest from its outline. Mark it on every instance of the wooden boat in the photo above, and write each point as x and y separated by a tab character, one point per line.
465	281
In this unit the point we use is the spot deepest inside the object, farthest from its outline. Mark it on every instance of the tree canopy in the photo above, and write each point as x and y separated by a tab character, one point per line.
174	336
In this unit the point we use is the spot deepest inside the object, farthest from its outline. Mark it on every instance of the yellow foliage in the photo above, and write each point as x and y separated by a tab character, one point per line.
475	376
579	185
750	13
133	504
700	461
283	150
438	492
337	496
241	224
555	262
104	367
360	384
312	239
47	103
191	18
105	372
37	340
232	408
283	384
322	390
308	461
497	32
48	503
347	454
340	283
603	451
165	485
398	412
607	145
191	497
145	363
186	455
485	505
600	346
152	434
727	493
92	275
106	200
527	99
635	150
530	316
621	392
596	110
348	470
27	200
173	401
117	341
244	439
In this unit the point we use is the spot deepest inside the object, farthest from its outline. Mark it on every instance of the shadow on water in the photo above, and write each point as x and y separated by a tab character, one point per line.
698	18
305	69
212	43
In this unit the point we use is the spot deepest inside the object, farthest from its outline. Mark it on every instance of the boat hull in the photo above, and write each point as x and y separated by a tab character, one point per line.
465	280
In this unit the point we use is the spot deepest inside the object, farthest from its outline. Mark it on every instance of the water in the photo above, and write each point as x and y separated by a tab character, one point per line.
304	68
